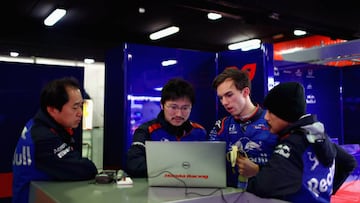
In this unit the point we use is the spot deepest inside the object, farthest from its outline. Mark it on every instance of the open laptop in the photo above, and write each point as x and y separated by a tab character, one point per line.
186	164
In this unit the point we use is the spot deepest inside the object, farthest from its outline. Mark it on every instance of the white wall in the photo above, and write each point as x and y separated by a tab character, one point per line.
94	80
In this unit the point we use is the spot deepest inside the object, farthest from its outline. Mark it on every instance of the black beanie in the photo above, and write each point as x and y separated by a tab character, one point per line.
287	101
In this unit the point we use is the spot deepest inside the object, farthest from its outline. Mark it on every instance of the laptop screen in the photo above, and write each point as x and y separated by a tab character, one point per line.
186	164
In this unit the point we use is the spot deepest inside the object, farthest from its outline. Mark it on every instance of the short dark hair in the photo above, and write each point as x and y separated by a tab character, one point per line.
240	77
54	93
177	88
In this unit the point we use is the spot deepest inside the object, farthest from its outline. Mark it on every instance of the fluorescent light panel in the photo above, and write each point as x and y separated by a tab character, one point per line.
246	45
214	16
299	32
54	17
14	54
164	33
89	61
141	10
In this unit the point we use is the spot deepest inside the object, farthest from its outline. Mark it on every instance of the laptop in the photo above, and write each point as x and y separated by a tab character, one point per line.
186	164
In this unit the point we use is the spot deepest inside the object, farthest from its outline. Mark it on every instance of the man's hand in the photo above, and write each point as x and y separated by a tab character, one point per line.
246	167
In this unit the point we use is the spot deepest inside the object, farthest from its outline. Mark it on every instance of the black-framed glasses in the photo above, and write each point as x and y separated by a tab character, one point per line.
174	108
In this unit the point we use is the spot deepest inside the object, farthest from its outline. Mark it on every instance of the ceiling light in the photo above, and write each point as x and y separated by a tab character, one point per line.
246	45
299	32
89	61
141	10
214	16
14	54
54	17
165	32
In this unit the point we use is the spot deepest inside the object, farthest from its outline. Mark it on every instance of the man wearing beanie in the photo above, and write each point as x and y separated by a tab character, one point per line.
302	167
287	101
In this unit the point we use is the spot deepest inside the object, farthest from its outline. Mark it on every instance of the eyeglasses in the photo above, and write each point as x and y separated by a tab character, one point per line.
174	108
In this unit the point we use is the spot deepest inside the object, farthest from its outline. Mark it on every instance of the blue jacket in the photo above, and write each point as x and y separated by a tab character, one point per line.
302	167
45	151
159	130
251	135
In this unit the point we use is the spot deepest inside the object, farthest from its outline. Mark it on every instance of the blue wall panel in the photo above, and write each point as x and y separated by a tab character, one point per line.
130	87
351	104
145	73
322	89
257	62
114	109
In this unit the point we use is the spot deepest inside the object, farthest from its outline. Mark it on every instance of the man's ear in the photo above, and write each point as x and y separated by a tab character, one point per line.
52	111
162	106
246	91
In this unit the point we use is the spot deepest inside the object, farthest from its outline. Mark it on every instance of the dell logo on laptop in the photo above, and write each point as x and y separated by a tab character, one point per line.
186	165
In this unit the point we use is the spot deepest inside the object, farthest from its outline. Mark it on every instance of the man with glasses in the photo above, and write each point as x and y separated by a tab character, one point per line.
171	124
